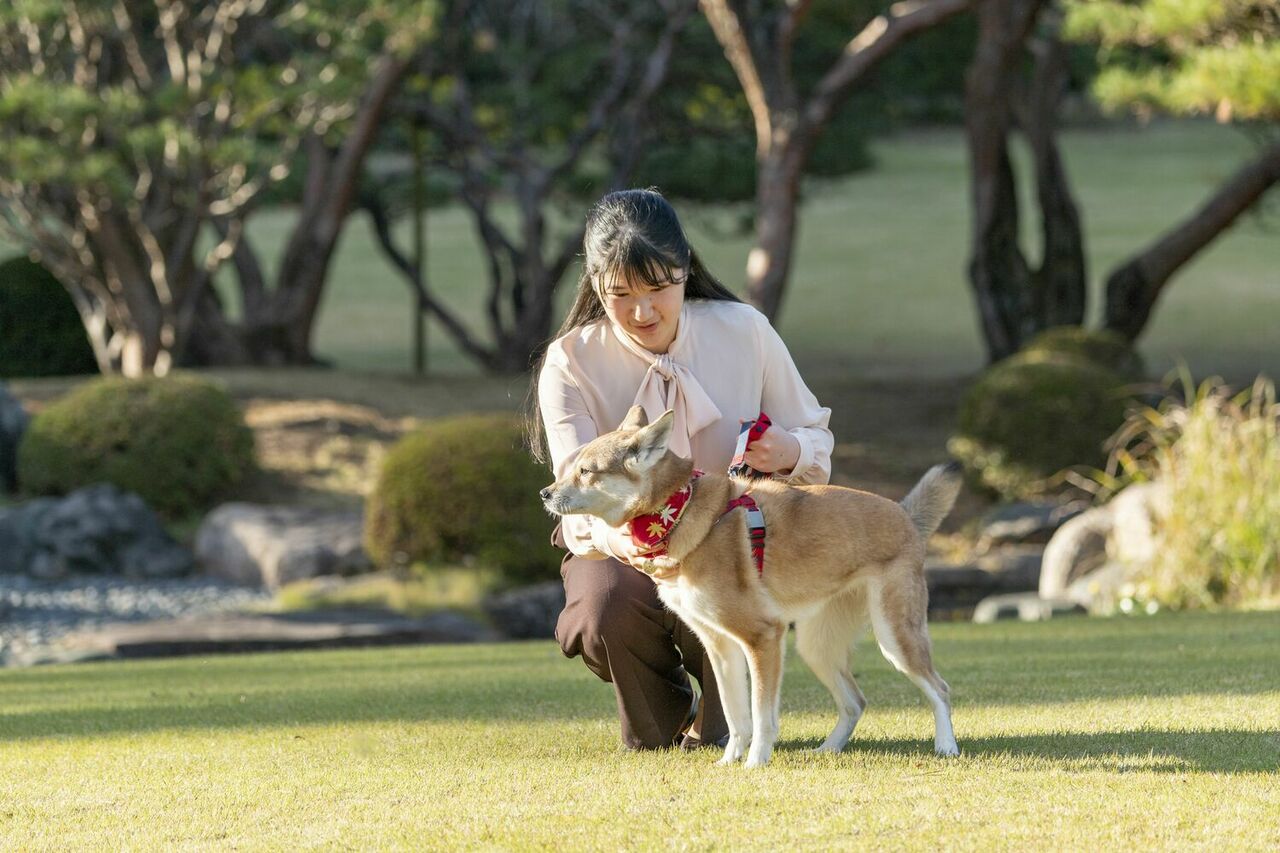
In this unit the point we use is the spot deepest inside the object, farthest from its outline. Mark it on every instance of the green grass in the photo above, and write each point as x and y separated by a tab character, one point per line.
422	590
1076	734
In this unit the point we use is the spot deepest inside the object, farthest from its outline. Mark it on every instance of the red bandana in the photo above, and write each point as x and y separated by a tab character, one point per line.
649	531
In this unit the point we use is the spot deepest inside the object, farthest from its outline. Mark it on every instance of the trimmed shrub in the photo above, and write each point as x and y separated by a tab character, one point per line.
460	489
1103	347
179	442
40	330
1032	415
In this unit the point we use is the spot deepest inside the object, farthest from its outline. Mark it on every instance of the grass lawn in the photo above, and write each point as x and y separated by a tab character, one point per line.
1076	734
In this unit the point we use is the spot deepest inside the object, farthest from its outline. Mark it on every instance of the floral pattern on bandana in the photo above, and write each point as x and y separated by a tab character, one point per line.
651	530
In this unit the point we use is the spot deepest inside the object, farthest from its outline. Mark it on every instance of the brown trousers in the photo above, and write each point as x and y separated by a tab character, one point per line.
612	618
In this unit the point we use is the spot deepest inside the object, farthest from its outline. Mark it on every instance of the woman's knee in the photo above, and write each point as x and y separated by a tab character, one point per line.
610	610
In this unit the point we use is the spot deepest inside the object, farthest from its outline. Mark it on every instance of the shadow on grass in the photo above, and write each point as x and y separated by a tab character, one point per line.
1142	750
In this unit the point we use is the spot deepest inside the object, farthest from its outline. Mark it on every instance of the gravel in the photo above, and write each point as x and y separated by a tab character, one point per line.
36	613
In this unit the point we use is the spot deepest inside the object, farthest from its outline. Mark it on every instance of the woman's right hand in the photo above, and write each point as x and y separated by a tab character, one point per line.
624	547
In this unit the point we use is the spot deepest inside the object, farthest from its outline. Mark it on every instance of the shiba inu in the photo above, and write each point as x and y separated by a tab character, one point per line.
834	559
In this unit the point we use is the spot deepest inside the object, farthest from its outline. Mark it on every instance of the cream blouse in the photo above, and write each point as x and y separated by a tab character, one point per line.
726	363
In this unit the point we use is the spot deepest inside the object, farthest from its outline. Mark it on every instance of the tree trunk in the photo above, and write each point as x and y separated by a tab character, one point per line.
777	197
998	271
1060	285
1014	301
1134	286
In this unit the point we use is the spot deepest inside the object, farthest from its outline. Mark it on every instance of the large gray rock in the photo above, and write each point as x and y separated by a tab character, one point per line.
1025	522
246	632
1025	606
271	546
1093	556
1016	568
527	613
95	530
13	423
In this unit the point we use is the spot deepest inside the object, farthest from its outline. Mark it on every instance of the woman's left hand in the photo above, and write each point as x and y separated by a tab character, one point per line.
775	450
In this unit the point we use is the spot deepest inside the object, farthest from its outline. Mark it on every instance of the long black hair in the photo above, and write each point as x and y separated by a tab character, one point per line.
631	232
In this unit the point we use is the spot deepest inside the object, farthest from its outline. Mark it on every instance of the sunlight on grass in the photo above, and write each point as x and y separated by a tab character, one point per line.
1078	734
413	593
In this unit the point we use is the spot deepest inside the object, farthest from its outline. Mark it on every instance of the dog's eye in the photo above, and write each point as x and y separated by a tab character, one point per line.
584	471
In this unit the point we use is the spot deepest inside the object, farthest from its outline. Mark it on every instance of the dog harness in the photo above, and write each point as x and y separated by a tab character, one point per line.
651	530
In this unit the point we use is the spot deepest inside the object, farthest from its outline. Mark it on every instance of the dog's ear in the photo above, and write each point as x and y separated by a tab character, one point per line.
635	419
650	443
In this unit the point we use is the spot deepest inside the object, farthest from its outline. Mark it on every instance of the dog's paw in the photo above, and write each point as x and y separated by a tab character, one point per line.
733	751
946	750
828	748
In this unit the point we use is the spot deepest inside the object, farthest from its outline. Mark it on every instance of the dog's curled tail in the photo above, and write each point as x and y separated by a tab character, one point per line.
931	499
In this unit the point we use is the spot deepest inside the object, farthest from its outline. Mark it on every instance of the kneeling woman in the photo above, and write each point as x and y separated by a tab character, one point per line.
650	326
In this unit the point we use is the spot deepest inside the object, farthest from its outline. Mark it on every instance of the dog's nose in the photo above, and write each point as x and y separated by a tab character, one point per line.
545	493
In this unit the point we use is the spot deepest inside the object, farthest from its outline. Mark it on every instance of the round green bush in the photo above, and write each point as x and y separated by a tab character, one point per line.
1034	414
463	488
40	330
1104	347
179	442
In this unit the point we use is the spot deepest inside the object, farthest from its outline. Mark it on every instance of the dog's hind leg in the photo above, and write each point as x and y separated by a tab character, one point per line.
730	667
825	640
764	649
898	605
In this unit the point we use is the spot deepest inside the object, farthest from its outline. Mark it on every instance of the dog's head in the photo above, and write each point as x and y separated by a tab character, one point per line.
621	474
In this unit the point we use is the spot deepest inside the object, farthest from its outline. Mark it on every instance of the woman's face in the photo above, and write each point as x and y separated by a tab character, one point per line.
649	315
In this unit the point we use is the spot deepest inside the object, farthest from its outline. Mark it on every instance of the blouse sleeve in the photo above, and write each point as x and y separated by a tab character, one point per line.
791	405
569	427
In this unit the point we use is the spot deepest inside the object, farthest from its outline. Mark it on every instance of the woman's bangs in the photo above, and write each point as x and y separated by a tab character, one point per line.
639	261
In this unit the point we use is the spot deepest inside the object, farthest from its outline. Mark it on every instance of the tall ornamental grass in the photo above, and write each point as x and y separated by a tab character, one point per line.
1219	456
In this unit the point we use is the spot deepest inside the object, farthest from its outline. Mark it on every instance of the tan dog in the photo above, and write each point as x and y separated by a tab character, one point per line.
834	559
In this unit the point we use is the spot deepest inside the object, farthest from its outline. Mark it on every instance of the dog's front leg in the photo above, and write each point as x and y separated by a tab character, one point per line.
730	666
764	658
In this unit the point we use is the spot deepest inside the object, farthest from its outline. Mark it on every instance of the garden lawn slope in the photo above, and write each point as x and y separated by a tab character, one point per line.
1075	734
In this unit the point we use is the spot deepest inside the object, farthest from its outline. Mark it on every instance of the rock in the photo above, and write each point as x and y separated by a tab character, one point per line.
1099	590
1026	606
1095	554
224	632
95	530
1015	568
17	535
271	546
1025	522
1136	514
13	423
1079	547
527	613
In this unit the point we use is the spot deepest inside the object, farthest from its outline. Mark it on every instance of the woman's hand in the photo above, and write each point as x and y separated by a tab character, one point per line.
775	450
624	547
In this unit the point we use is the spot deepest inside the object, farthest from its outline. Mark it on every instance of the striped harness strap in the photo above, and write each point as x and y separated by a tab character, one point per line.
755	528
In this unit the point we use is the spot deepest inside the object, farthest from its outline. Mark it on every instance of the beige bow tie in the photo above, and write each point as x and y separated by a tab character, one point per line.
694	409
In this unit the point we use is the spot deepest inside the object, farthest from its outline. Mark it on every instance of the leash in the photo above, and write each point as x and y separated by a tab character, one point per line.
651	530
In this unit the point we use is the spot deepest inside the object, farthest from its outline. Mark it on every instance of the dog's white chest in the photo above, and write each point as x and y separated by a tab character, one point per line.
680	599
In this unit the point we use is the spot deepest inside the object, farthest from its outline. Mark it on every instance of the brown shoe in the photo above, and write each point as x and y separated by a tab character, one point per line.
686	741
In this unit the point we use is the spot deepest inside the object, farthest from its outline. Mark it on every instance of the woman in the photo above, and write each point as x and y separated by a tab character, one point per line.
651	326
